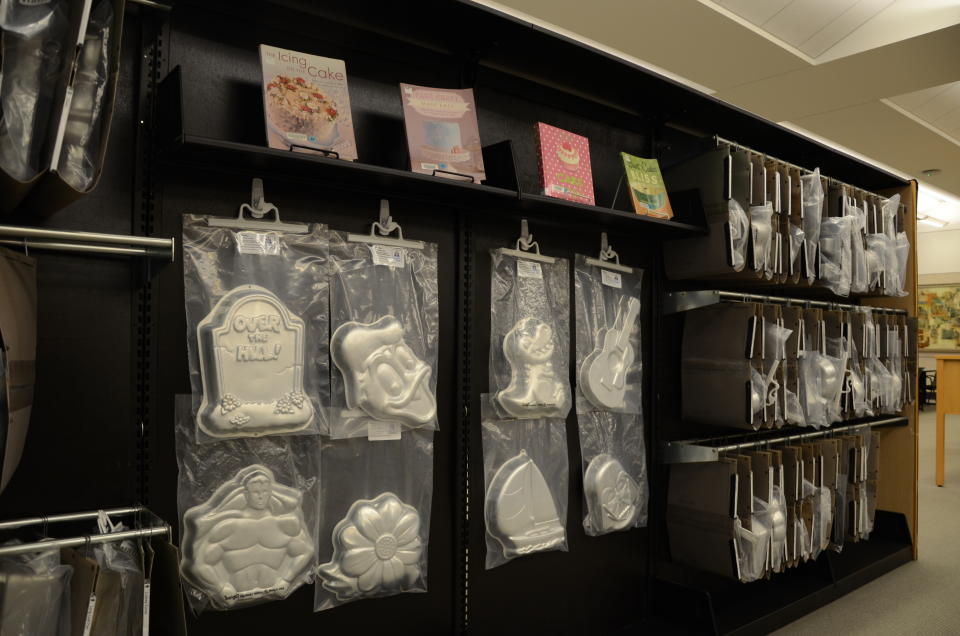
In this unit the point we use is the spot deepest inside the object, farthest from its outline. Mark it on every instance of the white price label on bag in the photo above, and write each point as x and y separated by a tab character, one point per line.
146	608
529	269
611	279
263	243
383	431
388	255
88	621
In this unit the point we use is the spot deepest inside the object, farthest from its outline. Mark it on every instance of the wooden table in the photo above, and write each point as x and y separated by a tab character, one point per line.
948	400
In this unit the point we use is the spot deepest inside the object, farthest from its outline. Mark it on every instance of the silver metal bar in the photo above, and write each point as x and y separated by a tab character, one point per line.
72	516
675	302
733	144
91	539
20	231
701	450
152	4
86	248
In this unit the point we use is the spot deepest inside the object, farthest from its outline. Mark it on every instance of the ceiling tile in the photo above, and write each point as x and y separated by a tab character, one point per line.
799	21
940	104
755	11
845	24
916	99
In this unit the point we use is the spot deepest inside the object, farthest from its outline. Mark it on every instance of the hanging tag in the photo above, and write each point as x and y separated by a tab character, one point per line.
383	431
611	279
388	255
146	608
88	621
528	269
263	243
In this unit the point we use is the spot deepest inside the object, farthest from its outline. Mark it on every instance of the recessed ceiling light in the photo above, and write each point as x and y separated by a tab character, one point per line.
931	172
929	220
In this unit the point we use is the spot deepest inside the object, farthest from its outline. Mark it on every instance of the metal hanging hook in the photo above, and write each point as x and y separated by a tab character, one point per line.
606	250
526	242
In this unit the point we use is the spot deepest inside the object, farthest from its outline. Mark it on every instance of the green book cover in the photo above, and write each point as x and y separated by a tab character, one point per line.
647	190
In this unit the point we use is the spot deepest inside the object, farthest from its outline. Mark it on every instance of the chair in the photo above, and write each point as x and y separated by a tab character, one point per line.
928	387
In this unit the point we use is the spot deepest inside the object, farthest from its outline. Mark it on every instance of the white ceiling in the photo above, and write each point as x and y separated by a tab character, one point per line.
877	78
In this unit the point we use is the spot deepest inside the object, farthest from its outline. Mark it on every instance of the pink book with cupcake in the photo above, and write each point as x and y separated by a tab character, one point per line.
564	161
306	103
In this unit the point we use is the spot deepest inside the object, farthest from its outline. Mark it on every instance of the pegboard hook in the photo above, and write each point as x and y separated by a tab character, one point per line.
606	250
526	242
386	224
258	207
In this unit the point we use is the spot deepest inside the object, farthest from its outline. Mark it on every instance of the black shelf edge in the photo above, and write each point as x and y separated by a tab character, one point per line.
611	218
215	154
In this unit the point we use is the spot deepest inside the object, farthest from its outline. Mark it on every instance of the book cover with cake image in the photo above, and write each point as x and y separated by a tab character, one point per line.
564	162
306	103
442	131
647	190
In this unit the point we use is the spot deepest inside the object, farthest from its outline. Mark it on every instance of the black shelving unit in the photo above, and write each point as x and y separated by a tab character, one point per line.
187	137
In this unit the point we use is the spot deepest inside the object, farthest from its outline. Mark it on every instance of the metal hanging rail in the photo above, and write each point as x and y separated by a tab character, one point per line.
89	539
72	516
835	181
151	4
675	302
87	242
701	450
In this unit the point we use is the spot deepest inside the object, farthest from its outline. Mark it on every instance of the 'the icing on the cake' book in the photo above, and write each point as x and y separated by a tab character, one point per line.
306	103
647	190
564	162
442	131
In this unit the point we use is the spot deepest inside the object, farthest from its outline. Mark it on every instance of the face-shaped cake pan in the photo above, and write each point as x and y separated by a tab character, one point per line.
381	374
248	542
377	549
613	496
251	364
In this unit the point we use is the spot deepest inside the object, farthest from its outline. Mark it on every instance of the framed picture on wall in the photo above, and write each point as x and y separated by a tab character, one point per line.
938	312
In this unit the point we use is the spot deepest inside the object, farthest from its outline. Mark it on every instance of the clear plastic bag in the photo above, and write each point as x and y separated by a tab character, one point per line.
811	390
385	325
879	252
838	531
238	494
901	250
835	254
529	337
888	212
797	236
257	325
833	366
609	361
739	224
525	479
774	353
35	597
614	467
125	559
773	515
762	232
859	273
34	53
81	141
753	548
375	528
811	193
857	382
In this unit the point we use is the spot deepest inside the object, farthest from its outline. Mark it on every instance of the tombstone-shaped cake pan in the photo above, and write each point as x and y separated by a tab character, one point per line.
382	375
251	364
248	541
520	512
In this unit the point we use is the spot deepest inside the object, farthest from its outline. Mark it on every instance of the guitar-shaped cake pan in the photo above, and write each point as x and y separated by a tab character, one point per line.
603	374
